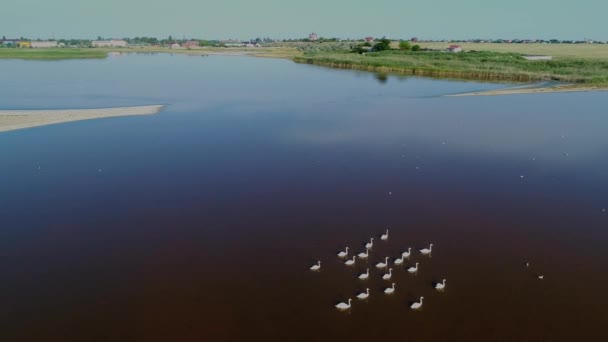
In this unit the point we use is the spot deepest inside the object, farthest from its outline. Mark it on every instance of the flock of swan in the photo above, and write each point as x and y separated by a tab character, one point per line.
382	265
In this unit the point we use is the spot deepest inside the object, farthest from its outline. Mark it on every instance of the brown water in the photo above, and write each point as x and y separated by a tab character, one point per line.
200	224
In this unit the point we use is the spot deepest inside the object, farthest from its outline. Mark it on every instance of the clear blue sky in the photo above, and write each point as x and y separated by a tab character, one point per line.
430	19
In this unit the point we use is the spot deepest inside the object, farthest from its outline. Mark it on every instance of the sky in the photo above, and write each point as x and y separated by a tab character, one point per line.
244	19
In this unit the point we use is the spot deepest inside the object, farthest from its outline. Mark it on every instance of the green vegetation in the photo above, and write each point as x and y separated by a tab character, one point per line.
51	54
405	45
471	65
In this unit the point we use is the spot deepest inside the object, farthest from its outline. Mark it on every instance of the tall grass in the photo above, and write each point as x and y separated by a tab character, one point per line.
473	65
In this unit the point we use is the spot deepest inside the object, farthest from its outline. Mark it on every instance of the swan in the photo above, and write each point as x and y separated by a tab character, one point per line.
426	251
344	306
364	255
387	276
370	244
363	295
382	264
344	253
363	276
408	253
315	267
440	286
417	305
541	277
398	261
413	269
384	236
390	290
350	262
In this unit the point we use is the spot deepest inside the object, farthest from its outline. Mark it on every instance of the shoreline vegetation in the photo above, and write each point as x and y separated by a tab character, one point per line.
583	67
11	120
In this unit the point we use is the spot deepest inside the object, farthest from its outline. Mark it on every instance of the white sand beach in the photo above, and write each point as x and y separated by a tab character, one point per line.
11	120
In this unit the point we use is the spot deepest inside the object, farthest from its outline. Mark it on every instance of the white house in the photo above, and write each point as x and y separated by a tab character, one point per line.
176	46
36	44
109	43
455	48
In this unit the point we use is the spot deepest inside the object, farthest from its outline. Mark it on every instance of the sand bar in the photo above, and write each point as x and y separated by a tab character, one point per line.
11	120
534	90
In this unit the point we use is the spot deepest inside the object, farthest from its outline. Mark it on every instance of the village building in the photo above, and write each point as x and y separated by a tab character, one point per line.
109	43
369	39
191	44
454	48
43	44
176	46
313	37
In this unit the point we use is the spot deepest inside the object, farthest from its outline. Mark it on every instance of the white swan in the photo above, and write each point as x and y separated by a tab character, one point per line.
413	269
540	276
344	306
382	264
364	275
426	251
440	286
344	253
408	253
387	276
364	255
370	244
315	267
390	290
398	261
384	236
363	295
417	305
350	262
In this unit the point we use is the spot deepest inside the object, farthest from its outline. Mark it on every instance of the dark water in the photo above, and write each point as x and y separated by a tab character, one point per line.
204	219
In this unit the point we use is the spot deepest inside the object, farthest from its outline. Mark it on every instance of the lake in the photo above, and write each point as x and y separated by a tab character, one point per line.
200	223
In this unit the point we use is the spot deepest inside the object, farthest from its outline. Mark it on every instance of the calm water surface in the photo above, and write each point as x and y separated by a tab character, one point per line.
200	223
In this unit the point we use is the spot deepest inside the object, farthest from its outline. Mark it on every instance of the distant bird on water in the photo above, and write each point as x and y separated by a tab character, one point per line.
440	286
384	236
343	253
344	306
316	267
417	305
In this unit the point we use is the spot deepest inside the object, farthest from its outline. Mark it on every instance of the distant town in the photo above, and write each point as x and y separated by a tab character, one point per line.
175	43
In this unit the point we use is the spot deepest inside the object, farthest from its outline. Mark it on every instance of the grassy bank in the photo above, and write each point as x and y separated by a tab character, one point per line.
50	54
468	65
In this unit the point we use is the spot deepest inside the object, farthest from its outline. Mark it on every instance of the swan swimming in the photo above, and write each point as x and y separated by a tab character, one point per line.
387	276
390	290
427	251
364	255
408	253
417	305
370	244
384	236
316	267
382	264
350	262
363	295
344	306
344	253
364	275
413	269
440	286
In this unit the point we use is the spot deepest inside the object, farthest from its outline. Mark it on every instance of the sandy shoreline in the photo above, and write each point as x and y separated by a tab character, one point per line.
532	90
11	120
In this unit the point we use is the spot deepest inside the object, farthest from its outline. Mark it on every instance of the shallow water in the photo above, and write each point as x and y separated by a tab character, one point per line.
200	223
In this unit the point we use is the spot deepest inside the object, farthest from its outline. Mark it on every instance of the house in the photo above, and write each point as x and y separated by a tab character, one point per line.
369	39
44	44
191	44
8	42
313	37
454	48
109	43
176	46
24	44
